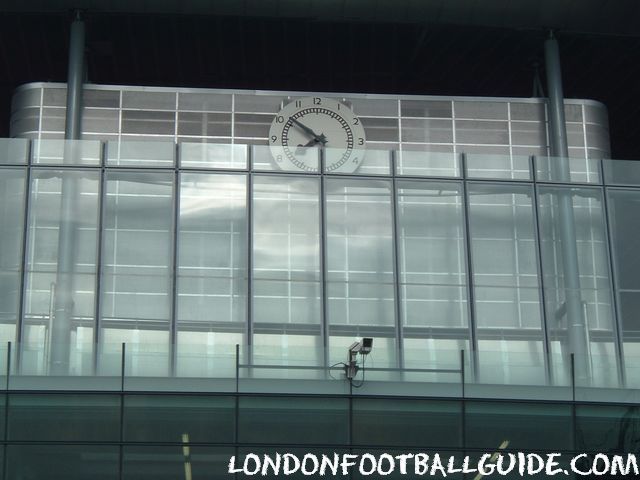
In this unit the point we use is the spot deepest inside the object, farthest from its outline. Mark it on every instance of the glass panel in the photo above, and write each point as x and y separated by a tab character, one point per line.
176	462
427	161
213	155
204	124
482	132
68	152
13	150
360	277
63	462
136	262
65	417
525	425
425	108
149	99
624	223
432	268
212	271
306	159
557	169
210	102
604	428
59	305
167	418
293	420
415	423
621	172
12	218
577	284
286	267
141	153
509	167
506	285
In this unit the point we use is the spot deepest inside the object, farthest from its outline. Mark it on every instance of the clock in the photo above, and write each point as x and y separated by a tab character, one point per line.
314	130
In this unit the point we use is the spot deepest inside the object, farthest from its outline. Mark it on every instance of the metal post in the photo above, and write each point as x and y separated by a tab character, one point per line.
75	79
69	195
576	324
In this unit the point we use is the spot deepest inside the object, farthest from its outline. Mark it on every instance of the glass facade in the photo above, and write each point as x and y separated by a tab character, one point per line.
58	436
183	263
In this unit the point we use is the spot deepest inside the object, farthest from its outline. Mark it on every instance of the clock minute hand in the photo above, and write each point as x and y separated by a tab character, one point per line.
319	138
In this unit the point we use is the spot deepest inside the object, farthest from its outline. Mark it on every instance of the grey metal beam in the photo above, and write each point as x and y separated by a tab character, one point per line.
69	197
576	321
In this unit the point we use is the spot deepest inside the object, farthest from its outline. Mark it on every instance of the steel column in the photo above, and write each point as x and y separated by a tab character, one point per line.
576	322
69	196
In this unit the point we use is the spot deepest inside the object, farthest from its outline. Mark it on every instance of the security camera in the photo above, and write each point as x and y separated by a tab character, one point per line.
367	345
363	348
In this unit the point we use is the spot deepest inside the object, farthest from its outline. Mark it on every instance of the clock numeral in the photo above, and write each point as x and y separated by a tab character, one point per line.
279	119
361	141
338	107
355	160
356	121
317	101
298	103
274	138
279	158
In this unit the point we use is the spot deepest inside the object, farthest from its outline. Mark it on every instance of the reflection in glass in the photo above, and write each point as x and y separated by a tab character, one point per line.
506	285
136	264
432	272
211	271
593	325
59	304
360	277
287	305
12	213
624	222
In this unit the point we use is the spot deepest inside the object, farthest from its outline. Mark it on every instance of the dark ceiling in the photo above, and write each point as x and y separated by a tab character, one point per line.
336	53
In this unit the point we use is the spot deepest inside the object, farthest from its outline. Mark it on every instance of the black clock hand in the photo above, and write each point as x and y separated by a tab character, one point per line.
310	143
319	138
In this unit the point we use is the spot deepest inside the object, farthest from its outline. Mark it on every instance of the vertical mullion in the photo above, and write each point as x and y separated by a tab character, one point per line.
98	293
473	341
541	288
174	269
24	254
395	236
249	193
323	267
616	321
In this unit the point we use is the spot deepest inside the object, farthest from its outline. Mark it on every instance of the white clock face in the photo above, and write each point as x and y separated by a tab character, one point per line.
313	129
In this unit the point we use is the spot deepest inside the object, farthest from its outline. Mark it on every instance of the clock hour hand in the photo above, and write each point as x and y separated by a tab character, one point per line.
318	138
310	143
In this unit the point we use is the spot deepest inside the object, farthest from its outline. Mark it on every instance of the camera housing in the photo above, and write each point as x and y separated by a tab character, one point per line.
363	348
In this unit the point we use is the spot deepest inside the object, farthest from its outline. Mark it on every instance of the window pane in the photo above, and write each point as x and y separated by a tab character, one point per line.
63	462
360	279
572	232
167	418
524	425
212	271
61	271
64	417
506	284
606	428
12	213
416	423
431	267
136	262
286	267
293	420
625	231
